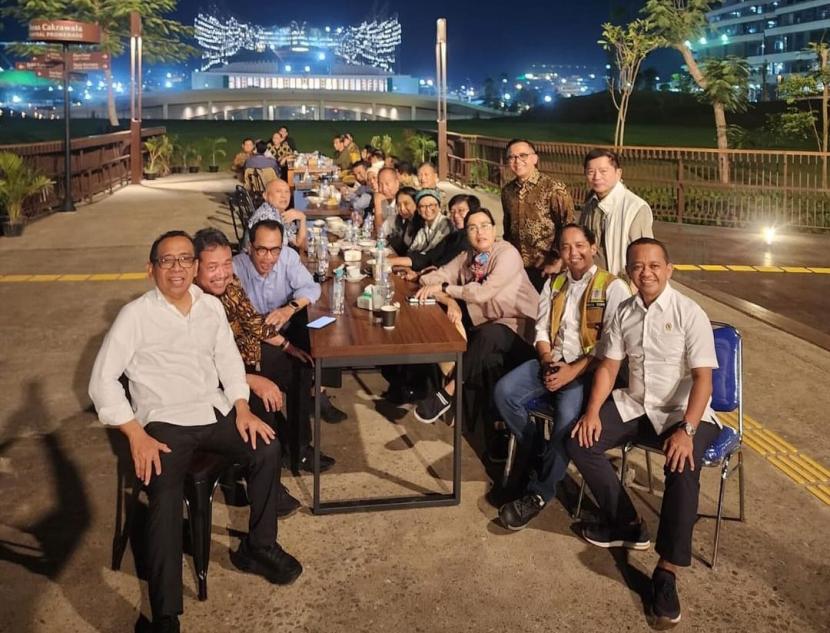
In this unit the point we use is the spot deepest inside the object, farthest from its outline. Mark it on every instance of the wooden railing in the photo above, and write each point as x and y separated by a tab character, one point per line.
681	184
99	164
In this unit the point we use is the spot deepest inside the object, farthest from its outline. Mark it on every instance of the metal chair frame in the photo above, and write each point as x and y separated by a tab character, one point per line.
726	467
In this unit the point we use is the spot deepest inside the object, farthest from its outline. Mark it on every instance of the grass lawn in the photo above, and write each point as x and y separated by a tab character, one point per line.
311	135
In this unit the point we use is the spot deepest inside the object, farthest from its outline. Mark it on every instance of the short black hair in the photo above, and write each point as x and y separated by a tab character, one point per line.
599	152
408	191
207	239
588	233
154	249
404	167
473	203
513	141
283	127
360	163
261	147
479	210
271	225
246	139
378	153
645	241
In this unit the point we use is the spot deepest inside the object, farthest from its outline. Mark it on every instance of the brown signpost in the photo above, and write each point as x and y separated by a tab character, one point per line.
64	32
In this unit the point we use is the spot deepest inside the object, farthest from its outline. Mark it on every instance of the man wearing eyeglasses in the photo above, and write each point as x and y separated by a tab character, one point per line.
176	348
536	207
279	286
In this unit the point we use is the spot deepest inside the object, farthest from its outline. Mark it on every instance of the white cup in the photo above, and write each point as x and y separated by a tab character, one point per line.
353	272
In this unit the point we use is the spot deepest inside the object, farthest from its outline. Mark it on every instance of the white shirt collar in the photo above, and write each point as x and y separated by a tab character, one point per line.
607	204
195	293
662	300
588	274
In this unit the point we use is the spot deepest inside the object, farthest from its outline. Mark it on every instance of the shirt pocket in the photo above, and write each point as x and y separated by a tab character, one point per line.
670	348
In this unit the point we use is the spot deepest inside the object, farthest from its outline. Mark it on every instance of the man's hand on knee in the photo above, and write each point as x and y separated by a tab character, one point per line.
587	430
145	451
250	426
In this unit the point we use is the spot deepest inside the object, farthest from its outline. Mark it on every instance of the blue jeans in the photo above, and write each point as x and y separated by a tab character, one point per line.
512	395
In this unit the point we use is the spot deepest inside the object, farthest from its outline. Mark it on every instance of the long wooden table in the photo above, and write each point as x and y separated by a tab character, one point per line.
423	334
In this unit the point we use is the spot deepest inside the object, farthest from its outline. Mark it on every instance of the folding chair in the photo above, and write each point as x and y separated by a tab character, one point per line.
727	397
203	476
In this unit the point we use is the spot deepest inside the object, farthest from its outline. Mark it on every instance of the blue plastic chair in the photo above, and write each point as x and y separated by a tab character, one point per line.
727	397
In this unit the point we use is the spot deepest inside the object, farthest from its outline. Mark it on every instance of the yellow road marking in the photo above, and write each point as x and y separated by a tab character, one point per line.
713	267
820	271
685	267
741	269
795	269
800	468
16	278
104	277
132	276
768	269
73	278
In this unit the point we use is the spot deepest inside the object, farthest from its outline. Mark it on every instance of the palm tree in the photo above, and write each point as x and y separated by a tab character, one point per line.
421	146
18	182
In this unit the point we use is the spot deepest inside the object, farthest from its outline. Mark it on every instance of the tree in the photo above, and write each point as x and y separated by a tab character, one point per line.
809	88
163	39
629	44
679	22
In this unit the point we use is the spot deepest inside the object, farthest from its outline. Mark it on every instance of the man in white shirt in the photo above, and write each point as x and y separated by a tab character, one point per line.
175	347
616	215
276	205
583	300
668	341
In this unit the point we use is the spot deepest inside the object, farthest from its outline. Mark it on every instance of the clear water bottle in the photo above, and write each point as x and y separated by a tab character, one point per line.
310	246
338	297
350	231
380	260
322	255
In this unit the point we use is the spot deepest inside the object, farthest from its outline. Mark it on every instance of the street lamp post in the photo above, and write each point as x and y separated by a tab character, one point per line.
68	204
136	158
441	91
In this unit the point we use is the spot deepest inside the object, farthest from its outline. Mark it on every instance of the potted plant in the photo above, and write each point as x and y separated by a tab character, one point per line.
18	182
158	149
216	148
177	160
192	158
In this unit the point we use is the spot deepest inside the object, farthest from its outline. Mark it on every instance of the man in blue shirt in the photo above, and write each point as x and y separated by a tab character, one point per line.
279	286
262	159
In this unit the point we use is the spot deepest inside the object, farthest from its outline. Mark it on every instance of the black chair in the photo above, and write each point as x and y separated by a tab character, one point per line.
206	472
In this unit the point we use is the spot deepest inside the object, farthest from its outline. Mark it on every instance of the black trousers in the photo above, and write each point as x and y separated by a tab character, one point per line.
166	491
493	350
294	379
679	511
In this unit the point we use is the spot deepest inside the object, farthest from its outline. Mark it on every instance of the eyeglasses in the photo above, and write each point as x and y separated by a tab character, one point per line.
261	251
425	207
512	158
169	261
478	228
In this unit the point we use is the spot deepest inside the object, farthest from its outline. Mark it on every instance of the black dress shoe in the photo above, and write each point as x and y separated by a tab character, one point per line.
272	563
166	624
286	504
329	413
306	462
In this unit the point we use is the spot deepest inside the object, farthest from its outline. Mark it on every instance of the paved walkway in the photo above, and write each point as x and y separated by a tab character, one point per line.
442	569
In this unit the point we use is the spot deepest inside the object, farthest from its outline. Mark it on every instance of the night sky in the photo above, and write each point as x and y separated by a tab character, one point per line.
485	37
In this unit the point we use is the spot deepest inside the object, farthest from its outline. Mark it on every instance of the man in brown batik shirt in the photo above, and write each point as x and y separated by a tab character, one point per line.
536	207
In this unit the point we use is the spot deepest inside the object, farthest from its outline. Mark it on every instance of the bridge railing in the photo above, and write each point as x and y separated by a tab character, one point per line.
681	184
100	163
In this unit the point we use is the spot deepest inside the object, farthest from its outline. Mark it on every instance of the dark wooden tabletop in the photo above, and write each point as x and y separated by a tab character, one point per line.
344	210
418	330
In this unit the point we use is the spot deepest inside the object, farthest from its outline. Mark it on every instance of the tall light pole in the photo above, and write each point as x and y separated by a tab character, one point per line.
136	158
441	90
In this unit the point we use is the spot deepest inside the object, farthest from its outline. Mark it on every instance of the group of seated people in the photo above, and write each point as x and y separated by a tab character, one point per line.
218	348
262	154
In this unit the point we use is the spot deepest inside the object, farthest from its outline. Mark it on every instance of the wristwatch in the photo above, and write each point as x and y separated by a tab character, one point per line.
688	427
294	305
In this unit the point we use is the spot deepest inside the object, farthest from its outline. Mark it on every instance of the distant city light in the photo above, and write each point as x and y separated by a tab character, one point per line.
168	84
169	75
607	66
507	96
518	86
422	82
288	68
548	98
429	82
15	99
724	38
688	44
769	234
703	41
504	81
592	76
307	69
321	57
